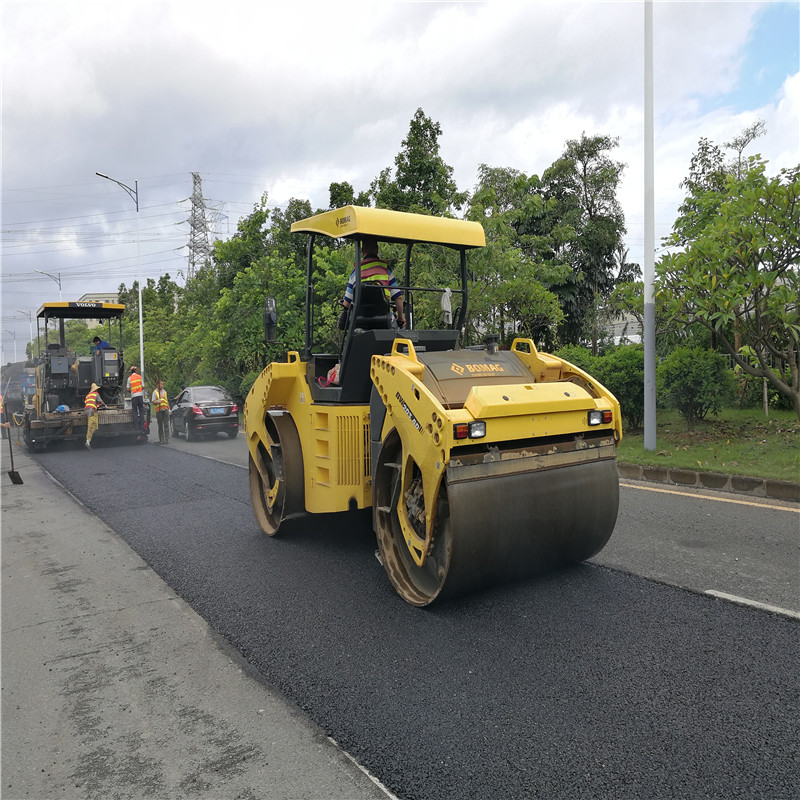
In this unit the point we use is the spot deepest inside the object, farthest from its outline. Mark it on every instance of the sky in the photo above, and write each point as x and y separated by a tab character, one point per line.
285	98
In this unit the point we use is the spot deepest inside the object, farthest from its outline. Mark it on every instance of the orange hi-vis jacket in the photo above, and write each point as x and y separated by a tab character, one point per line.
91	400
136	383
163	401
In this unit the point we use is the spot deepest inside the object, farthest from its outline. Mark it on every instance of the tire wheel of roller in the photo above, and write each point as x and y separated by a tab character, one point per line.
267	484
417	585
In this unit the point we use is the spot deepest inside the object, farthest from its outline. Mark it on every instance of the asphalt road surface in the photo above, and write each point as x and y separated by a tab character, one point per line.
592	682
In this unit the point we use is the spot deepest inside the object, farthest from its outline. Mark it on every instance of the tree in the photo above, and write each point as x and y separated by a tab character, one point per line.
512	275
246	246
423	182
582	185
739	271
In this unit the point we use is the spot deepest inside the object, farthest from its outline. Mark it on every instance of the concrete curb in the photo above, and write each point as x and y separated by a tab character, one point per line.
715	481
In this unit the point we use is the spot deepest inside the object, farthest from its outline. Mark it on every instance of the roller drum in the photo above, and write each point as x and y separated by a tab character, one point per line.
501	524
511	527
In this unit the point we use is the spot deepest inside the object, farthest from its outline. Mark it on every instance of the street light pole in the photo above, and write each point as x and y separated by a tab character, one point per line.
56	279
14	337
133	193
29	315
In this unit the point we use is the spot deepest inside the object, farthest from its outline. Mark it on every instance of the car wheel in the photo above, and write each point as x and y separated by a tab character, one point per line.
191	433
174	428
232	434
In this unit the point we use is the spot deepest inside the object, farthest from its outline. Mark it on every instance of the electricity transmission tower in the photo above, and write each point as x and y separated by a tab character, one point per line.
199	246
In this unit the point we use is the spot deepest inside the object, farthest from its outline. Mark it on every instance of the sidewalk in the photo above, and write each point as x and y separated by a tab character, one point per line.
112	687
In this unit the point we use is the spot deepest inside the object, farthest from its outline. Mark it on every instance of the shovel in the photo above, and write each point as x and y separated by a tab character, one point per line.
12	473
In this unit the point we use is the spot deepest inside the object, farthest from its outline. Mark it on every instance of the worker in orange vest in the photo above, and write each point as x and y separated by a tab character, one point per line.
93	400
136	388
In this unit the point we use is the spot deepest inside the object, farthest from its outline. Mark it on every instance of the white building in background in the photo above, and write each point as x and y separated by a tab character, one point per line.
99	297
626	329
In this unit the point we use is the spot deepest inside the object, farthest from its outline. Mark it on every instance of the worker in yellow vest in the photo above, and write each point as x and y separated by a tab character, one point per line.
160	402
93	401
136	388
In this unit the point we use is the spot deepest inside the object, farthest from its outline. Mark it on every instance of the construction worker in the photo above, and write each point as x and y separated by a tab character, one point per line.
136	388
3	418
373	270
93	400
161	403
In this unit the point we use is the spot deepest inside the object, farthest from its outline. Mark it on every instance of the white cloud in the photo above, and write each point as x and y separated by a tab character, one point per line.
288	97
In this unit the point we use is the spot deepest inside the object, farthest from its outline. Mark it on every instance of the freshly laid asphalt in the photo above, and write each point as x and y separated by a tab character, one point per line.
588	683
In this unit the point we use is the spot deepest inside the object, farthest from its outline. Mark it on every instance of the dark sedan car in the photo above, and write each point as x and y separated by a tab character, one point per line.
201	410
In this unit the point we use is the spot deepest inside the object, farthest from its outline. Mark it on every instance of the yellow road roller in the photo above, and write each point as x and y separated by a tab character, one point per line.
481	465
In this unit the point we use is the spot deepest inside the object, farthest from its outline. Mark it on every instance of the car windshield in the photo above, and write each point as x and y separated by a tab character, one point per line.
208	394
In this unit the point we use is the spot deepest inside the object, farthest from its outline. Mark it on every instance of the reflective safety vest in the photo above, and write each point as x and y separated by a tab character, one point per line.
162	403
136	383
91	400
1	404
374	271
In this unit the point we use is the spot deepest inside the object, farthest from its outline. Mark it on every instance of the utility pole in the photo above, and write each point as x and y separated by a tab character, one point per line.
133	193
14	336
649	331
29	315
199	247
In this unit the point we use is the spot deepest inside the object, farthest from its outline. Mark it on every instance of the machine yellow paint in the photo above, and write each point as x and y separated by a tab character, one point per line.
451	514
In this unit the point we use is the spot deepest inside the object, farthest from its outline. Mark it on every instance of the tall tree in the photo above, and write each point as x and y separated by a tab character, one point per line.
423	182
512	275
583	185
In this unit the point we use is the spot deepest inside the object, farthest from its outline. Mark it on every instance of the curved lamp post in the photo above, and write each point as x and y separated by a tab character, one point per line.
14	337
133	193
56	279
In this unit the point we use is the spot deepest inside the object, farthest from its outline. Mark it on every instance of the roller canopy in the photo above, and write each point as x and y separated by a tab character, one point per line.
80	310
393	226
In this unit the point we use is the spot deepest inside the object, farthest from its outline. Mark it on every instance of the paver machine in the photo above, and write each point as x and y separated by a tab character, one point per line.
63	378
481	465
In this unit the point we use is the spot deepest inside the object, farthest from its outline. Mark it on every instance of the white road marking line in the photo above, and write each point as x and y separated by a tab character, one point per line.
710	497
743	601
363	769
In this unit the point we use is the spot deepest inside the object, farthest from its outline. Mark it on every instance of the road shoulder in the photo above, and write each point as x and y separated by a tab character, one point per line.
113	686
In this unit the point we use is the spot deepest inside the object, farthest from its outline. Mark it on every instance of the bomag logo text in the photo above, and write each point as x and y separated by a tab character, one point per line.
409	413
477	369
342	221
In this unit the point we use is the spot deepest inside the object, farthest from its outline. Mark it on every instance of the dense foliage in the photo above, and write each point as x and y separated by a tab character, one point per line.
736	273
554	269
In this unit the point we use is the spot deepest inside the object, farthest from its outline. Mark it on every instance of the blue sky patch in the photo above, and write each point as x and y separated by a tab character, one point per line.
772	54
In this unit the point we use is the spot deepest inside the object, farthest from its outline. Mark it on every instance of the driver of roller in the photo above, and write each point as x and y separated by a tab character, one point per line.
373	270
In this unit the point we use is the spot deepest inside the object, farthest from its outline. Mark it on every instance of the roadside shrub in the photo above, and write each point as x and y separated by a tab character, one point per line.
622	372
581	357
695	381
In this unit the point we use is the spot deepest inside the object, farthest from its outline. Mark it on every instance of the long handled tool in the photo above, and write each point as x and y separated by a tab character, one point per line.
12	473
